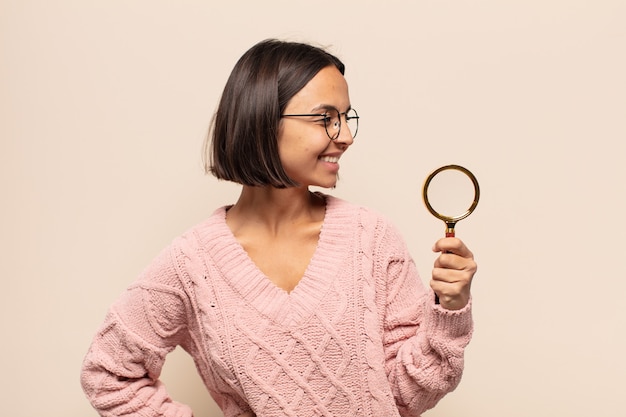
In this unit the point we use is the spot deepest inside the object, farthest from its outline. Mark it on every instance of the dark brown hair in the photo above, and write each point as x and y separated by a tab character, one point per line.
242	145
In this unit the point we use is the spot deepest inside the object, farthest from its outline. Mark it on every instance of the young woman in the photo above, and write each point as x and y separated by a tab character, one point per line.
292	303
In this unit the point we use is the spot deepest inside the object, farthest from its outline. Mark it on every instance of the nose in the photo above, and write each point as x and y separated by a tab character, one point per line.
345	136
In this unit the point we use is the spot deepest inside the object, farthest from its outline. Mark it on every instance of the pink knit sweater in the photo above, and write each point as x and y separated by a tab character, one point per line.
359	336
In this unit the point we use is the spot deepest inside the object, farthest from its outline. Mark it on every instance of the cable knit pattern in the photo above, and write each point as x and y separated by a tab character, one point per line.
359	335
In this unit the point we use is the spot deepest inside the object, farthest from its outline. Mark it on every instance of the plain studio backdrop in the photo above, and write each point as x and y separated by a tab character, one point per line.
104	106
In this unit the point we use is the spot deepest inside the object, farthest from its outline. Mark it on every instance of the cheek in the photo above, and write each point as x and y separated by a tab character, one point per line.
295	157
295	146
300	148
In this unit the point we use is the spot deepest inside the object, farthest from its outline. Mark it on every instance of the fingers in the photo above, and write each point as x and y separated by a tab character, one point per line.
453	245
452	295
450	260
455	256
453	272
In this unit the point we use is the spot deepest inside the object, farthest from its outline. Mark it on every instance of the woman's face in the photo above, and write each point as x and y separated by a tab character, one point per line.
306	152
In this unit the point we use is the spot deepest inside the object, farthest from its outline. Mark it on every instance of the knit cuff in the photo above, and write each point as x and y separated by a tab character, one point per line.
450	324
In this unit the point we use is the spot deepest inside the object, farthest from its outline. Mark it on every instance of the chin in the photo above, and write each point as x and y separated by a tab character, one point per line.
329	184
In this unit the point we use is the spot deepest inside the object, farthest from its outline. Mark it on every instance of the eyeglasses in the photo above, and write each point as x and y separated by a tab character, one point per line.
332	121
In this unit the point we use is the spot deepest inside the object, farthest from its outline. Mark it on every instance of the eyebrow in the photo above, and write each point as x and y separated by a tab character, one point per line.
329	107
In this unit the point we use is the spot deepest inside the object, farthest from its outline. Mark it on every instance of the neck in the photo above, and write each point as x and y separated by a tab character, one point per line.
275	208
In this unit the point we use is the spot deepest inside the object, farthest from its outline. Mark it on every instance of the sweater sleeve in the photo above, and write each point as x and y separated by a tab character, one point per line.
121	369
424	343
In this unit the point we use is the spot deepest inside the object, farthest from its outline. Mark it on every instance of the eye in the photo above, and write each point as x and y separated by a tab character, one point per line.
323	118
333	119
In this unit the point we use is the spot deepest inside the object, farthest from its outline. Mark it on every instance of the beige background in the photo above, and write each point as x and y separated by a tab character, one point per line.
104	106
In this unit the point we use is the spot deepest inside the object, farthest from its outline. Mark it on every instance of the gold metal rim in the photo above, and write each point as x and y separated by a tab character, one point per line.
469	211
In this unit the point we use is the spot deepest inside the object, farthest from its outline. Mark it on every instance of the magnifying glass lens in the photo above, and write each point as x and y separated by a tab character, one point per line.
450	191
445	192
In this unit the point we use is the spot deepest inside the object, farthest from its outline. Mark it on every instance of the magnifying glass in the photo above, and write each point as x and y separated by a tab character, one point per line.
447	188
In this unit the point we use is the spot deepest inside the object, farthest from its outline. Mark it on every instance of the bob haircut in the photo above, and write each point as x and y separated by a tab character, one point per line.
243	137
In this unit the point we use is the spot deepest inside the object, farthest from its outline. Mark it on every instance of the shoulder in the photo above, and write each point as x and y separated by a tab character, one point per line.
184	252
365	217
373	228
202	233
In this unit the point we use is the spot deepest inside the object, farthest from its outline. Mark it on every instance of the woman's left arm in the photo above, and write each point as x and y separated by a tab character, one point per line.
424	341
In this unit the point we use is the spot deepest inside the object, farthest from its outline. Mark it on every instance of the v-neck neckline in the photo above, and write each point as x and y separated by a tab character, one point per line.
243	275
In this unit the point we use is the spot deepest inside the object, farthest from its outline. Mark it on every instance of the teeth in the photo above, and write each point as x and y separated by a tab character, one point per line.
332	159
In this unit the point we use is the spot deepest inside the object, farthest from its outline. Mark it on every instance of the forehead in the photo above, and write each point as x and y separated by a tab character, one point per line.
327	89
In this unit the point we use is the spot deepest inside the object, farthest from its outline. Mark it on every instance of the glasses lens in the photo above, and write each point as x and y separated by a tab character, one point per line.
352	121
334	123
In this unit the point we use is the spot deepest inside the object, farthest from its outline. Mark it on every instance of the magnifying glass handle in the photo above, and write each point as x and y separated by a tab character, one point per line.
449	233
450	229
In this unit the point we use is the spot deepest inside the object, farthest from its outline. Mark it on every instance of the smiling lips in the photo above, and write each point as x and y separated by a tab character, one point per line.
328	158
